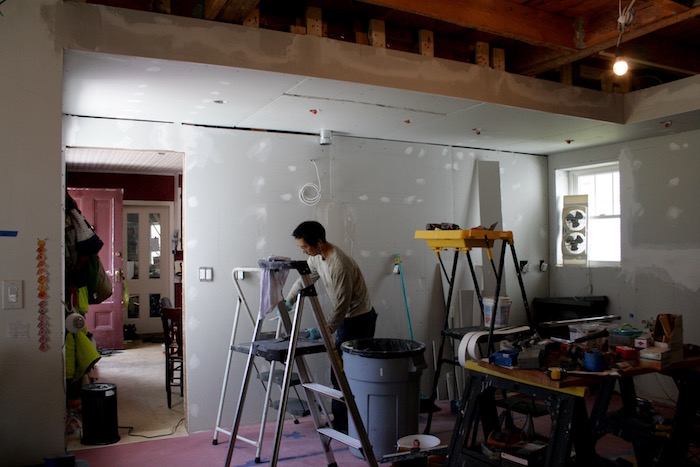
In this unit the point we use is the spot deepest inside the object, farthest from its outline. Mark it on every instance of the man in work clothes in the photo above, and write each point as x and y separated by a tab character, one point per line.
352	316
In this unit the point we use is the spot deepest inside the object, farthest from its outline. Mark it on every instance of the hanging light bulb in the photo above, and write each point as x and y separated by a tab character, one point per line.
620	67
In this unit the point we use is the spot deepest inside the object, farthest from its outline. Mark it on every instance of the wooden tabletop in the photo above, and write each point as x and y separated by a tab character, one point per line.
539	378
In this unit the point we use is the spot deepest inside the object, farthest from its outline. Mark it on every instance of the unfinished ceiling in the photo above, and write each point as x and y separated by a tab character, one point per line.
568	41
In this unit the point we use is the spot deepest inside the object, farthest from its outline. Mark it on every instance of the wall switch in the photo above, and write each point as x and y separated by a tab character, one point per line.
206	274
12	295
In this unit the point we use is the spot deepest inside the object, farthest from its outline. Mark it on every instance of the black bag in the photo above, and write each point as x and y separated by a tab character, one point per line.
99	286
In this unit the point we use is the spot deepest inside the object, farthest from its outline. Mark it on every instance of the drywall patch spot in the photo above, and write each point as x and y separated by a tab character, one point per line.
192	243
292	168
385	199
420	181
674	182
286	197
448	166
517	186
192	202
363	197
408	253
421	153
258	184
193	409
409	150
419	200
260	244
194	362
365	253
261	213
409	199
192	293
674	147
673	213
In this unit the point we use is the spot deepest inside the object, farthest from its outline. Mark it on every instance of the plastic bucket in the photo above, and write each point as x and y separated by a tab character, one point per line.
502	314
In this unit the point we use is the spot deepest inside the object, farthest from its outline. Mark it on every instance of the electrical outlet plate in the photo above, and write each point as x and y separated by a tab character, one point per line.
12	295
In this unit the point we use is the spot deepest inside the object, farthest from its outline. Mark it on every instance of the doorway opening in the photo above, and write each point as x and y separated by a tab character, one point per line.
149	249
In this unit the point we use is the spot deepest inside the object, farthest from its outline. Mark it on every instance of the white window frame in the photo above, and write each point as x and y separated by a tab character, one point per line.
568	181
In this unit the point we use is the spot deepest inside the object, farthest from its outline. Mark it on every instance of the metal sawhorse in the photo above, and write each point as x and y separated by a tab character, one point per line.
465	241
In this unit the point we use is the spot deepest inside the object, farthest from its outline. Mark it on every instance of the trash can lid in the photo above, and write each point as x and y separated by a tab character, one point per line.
98	387
383	348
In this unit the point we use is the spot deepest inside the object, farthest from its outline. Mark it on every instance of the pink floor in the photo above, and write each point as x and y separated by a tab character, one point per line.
300	446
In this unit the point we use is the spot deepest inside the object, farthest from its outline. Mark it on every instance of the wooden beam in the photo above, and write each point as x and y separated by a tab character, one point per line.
539	62
314	23
230	11
377	33
498	59
500	17
481	54
426	43
253	18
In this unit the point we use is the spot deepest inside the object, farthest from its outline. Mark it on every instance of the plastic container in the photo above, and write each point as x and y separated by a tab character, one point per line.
502	314
384	376
99	413
624	335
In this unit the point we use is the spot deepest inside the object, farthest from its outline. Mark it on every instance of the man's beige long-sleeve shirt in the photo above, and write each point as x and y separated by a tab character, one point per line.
344	283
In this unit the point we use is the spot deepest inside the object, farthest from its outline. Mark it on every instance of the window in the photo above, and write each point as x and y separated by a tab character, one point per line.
601	185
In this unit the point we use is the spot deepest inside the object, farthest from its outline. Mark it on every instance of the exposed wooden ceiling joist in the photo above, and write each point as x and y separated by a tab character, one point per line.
539	62
500	17
234	11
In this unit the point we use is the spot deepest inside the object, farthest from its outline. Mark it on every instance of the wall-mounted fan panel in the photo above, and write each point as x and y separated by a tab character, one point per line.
574	241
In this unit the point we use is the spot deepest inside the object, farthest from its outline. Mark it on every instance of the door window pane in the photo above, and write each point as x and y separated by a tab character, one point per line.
133	310
155	236
154	302
132	246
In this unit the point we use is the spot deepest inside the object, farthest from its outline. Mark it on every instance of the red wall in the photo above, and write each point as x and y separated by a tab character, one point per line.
136	187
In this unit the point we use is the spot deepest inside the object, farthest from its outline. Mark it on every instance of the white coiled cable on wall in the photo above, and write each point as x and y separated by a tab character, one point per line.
315	198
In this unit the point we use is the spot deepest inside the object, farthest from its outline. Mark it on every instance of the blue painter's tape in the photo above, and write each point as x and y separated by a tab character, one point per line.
8	233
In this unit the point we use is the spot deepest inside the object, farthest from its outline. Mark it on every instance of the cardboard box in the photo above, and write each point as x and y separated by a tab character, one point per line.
668	331
659	357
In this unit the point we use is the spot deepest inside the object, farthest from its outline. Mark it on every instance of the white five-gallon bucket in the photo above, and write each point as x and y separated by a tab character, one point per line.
502	314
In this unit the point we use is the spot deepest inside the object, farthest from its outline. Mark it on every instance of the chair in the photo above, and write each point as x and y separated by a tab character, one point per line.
172	337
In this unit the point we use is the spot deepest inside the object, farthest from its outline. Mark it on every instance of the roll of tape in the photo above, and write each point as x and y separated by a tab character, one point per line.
75	322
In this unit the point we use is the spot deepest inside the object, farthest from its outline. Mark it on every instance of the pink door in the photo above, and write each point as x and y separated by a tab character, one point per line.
103	210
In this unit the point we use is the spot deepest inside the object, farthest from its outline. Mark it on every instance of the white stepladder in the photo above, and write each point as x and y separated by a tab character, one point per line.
238	274
291	352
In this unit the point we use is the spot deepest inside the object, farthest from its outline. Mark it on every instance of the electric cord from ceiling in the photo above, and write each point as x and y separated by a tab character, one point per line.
315	189
623	18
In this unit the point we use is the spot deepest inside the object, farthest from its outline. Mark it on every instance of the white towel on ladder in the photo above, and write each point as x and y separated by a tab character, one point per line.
271	283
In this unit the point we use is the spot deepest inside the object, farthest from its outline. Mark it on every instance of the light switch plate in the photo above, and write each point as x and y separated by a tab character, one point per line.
12	294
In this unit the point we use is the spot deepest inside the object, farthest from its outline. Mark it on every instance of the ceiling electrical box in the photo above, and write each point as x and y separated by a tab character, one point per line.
12	293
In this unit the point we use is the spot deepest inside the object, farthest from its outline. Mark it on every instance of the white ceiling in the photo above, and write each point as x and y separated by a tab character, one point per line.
110	86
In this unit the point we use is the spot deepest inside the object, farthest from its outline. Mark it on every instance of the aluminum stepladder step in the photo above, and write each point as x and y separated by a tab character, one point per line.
314	392
239	274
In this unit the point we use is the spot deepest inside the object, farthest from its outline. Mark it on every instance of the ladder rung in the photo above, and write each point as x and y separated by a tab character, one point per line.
341	437
325	390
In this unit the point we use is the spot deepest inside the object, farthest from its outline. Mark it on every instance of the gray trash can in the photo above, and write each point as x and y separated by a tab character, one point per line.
384	376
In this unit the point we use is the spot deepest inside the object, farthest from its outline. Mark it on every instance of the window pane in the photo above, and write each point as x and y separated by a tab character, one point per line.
155	236
132	246
604	239
154	305
133	309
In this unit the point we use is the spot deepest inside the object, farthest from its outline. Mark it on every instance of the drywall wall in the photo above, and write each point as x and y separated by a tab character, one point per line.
660	218
241	203
32	395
